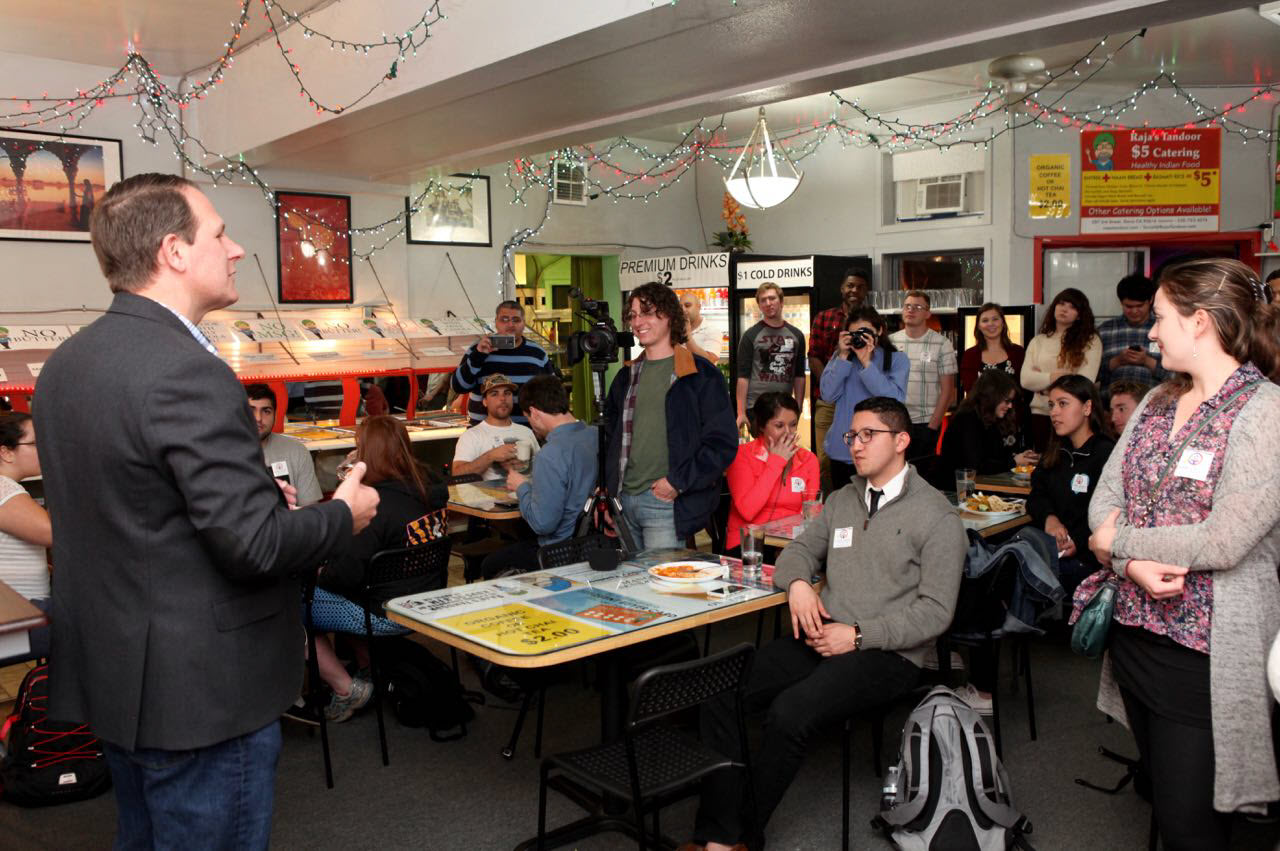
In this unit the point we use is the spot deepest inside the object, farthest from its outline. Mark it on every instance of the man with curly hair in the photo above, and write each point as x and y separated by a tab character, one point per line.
668	425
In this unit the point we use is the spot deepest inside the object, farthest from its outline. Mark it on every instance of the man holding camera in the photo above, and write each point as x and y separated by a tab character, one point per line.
506	352
668	426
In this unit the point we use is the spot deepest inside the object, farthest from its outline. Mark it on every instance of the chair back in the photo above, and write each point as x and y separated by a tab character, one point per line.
666	689
982	602
571	550
407	570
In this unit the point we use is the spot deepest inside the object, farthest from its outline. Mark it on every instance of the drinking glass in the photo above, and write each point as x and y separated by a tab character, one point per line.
752	550
965	484
812	505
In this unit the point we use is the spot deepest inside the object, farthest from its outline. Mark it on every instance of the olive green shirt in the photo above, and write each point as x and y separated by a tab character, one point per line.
648	459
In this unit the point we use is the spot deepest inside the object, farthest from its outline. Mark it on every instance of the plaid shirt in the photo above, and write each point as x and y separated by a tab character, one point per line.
932	356
629	416
1117	335
824	333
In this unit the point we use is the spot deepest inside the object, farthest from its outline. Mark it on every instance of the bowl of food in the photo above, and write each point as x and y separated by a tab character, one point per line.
1023	471
992	506
688	572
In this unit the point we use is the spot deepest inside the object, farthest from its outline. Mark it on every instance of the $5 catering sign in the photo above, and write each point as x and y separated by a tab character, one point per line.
1150	180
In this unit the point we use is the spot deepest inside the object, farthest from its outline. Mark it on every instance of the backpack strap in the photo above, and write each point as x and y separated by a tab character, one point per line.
999	812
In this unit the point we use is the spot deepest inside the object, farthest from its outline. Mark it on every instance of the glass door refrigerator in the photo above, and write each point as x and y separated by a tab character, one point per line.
809	285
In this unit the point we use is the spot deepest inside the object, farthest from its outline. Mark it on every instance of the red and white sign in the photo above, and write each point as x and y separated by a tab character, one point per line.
1150	180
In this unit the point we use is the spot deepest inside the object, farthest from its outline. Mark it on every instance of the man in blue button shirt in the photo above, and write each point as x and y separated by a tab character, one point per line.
1127	354
564	474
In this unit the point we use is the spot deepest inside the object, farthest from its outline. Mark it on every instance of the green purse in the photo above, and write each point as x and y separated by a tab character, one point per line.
1089	637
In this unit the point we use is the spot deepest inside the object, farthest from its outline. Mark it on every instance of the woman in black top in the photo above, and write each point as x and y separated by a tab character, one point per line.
985	433
1063	483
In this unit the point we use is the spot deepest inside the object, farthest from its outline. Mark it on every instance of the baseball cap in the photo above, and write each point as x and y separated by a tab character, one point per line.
493	382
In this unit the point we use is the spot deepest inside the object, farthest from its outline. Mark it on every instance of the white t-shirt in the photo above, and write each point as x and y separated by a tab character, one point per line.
708	338
23	565
482	437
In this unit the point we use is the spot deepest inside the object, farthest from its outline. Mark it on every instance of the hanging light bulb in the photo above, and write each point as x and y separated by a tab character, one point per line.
754	180
307	248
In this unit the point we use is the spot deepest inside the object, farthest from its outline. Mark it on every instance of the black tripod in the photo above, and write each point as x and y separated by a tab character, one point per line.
601	506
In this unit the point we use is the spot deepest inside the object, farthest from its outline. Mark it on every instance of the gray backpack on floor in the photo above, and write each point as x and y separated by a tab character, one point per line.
949	791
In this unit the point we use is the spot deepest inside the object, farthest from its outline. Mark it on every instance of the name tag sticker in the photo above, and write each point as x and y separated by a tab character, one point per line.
843	538
1194	464
797	484
1153	349
279	469
1080	483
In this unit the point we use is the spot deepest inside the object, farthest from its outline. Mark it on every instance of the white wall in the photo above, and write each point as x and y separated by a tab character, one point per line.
839	207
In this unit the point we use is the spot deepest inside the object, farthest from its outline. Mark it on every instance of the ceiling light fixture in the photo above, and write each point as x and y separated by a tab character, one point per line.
754	180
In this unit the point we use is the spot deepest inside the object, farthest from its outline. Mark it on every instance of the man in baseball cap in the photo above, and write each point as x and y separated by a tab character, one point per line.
495	444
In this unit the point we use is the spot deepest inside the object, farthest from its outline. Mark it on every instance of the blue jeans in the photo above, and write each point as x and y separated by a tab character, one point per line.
216	797
651	522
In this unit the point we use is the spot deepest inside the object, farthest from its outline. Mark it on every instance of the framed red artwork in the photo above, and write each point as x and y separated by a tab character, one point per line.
313	248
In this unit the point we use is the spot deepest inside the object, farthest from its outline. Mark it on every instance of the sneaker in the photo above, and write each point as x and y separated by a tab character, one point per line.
302	714
970	695
930	662
341	708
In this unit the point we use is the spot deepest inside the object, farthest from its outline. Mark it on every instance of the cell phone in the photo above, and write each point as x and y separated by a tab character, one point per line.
503	341
726	590
1135	348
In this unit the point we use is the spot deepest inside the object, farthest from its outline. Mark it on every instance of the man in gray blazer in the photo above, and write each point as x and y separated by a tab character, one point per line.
177	636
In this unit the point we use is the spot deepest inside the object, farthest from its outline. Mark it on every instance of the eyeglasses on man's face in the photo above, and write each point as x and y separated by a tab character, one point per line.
914	308
866	435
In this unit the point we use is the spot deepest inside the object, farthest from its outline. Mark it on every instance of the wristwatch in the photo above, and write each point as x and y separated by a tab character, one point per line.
857	638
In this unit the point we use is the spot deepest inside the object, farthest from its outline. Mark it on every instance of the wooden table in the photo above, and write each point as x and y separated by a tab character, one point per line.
464	499
784	530
545	618
17	618
1004	483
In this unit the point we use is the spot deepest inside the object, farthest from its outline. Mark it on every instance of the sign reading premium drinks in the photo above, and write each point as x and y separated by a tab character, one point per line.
680	271
1150	180
784	273
1050	189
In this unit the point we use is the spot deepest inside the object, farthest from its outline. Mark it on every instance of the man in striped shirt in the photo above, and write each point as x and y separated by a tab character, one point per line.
483	359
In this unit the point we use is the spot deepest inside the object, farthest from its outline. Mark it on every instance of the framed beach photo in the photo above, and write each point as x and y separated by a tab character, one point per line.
313	248
454	212
49	183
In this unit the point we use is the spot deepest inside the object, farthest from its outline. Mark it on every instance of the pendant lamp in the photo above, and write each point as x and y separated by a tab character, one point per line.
754	180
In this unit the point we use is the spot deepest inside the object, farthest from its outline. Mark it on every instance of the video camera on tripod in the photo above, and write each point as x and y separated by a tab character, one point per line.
601	343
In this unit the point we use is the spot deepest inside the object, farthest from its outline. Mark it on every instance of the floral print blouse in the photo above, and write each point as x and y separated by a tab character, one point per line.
1187	619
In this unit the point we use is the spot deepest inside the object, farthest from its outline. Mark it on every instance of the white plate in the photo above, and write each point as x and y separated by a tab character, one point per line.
990	515
706	572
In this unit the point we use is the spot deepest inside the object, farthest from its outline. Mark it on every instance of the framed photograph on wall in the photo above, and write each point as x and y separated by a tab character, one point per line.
454	212
313	248
49	183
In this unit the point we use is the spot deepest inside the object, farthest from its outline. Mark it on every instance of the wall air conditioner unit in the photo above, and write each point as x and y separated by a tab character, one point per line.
570	183
943	194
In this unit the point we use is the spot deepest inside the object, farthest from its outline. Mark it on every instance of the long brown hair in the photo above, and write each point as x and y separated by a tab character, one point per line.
1078	336
993	388
980	339
382	443
1084	390
1238	304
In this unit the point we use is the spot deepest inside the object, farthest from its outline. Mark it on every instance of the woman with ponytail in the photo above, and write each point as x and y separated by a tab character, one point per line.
1187	518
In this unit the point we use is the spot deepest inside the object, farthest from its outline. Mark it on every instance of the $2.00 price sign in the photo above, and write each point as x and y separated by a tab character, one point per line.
521	630
1150	180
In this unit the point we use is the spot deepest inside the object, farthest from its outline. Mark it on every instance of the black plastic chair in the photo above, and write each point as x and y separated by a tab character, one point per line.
390	573
534	682
655	763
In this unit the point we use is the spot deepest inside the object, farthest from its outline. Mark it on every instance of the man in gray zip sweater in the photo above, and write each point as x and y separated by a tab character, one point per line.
892	551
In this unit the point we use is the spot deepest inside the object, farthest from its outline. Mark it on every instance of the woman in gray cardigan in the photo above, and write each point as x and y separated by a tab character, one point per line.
1187	513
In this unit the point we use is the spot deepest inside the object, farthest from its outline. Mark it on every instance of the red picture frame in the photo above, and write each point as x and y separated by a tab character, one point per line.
313	248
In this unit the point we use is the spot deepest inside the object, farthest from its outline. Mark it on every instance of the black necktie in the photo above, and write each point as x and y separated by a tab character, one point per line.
875	502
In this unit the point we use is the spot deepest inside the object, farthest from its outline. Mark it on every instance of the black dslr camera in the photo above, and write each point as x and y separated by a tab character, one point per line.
601	342
860	339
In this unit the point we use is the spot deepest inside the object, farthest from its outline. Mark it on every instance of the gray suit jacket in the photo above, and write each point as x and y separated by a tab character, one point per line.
178	621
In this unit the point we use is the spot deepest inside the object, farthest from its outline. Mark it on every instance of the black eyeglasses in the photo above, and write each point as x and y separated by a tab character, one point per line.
866	435
25	443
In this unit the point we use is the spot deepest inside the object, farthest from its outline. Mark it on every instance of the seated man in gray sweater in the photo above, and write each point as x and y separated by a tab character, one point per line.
891	549
563	475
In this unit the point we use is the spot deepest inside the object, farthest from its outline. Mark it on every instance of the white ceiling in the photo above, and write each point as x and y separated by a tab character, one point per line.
625	79
175	35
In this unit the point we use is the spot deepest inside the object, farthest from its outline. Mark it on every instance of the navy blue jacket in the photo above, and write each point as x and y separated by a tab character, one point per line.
702	437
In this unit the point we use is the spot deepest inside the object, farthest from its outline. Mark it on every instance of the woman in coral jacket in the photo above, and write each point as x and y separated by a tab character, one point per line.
772	473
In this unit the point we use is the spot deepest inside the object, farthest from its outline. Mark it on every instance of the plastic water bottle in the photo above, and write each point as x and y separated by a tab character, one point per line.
889	793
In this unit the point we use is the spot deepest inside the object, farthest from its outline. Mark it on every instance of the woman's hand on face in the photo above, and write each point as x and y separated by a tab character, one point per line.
1160	581
784	446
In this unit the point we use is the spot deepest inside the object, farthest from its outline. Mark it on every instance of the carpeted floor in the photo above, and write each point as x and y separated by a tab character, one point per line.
465	795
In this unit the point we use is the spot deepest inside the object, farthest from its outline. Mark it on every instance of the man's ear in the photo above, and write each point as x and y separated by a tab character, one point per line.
173	253
901	441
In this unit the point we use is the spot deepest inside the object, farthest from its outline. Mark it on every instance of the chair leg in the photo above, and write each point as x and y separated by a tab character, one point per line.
312	686
877	742
845	758
537	734
377	687
1031	695
542	806
510	750
994	646
642	835
1153	833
